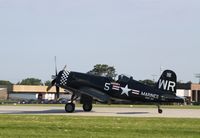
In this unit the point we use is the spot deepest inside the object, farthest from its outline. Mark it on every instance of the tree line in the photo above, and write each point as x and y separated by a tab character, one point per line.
98	69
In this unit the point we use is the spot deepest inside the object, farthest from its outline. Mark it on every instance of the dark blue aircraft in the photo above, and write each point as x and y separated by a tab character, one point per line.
104	89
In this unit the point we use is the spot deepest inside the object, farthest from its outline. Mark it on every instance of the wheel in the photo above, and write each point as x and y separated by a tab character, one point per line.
87	107
70	107
160	111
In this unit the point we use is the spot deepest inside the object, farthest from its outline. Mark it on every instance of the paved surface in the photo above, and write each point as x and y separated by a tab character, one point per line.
100	111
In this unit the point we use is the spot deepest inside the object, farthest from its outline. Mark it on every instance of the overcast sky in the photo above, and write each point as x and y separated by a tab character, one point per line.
137	37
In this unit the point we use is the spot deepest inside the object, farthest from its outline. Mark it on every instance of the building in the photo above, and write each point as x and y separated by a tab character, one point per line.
3	92
195	92
28	92
190	91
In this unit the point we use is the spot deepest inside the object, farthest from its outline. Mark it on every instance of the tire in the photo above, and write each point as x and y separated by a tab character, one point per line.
160	111
70	107
87	107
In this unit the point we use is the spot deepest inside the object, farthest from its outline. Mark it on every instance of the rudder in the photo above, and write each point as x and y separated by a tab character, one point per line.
167	81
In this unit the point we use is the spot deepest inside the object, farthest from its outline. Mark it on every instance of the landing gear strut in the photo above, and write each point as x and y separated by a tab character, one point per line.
159	109
85	100
70	107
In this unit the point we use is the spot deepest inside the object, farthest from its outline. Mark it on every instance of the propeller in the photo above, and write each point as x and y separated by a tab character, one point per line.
54	82
57	88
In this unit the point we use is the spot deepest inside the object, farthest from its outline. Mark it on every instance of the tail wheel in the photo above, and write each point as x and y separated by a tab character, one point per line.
70	107
160	111
87	107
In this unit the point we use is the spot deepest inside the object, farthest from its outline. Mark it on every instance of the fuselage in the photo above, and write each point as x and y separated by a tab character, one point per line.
131	90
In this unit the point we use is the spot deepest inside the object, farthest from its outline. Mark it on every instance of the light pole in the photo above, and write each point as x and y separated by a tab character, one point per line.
197	76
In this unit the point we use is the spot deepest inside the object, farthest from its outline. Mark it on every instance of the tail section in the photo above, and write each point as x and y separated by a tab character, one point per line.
167	82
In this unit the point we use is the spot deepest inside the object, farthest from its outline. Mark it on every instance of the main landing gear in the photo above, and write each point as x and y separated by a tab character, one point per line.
70	107
86	100
159	109
87	107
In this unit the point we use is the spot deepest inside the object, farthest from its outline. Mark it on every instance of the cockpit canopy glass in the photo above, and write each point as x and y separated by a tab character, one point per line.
124	78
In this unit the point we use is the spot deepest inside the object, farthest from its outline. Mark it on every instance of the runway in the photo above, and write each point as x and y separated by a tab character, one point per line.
101	111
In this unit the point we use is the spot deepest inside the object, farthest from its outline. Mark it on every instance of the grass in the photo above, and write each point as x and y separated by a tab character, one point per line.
31	126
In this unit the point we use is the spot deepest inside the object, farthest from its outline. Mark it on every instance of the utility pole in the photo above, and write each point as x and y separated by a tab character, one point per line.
154	76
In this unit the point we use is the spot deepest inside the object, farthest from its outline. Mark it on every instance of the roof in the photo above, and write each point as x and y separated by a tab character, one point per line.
33	89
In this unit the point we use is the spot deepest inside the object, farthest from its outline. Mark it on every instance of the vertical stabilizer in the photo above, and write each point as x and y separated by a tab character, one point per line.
167	81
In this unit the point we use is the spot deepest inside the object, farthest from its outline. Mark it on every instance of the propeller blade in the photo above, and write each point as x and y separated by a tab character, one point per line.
54	81
57	92
52	84
65	67
56	66
49	87
57	88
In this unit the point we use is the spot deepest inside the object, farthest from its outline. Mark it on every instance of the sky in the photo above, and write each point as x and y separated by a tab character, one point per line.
137	37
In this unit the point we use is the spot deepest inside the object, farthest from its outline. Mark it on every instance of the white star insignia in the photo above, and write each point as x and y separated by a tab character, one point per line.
125	90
